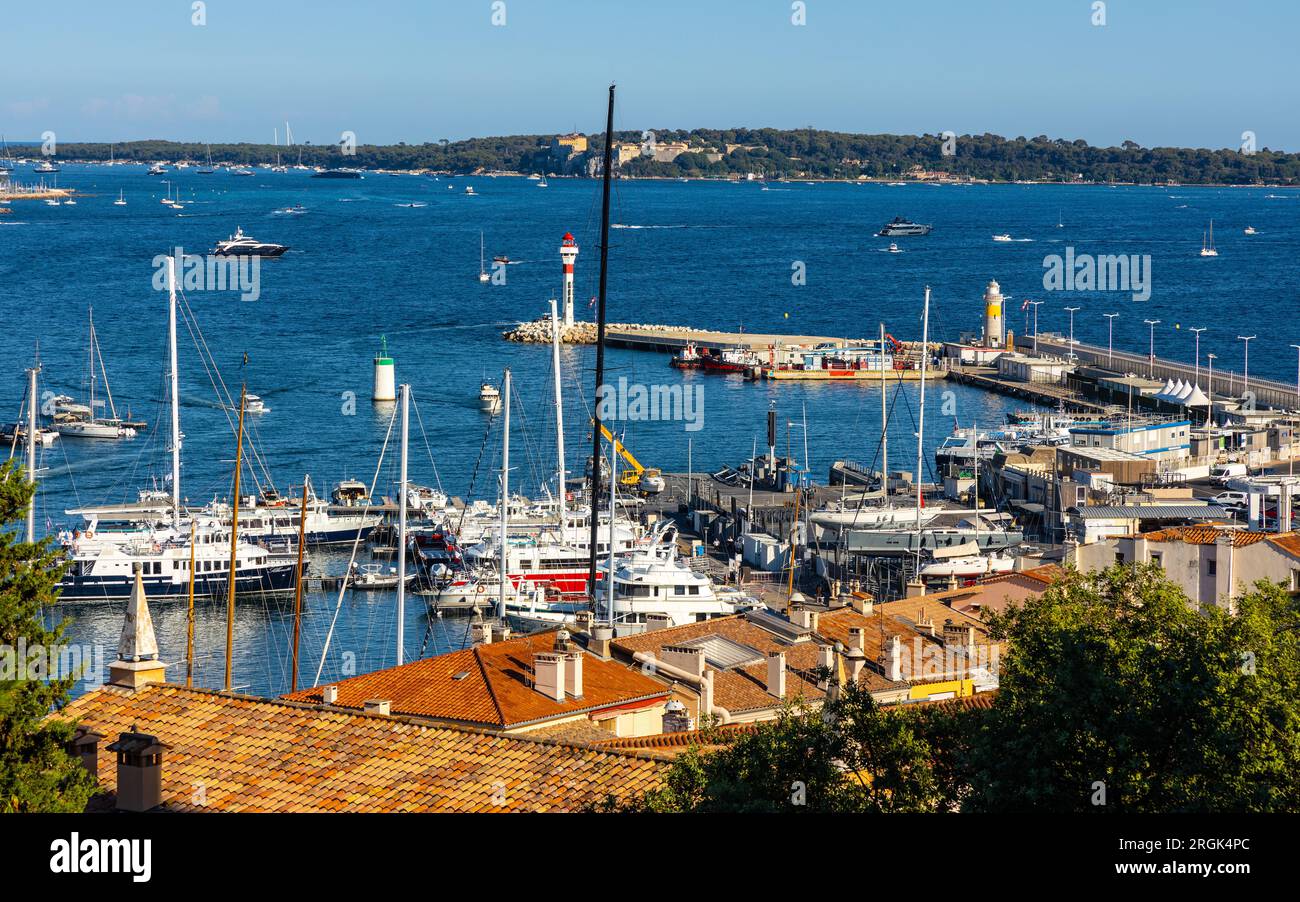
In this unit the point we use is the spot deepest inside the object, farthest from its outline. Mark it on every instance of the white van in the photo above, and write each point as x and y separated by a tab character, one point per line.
1221	473
1230	499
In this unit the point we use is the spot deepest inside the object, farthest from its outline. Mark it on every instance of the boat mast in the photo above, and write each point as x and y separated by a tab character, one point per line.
174	378
90	311
600	343
189	615
234	540
884	421
405	391
31	449
297	590
562	474
613	489
505	495
920	421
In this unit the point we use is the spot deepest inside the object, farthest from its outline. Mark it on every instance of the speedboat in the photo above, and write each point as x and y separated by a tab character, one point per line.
373	577
898	226
1002	237
894	248
157	169
254	404
241	245
469	192
1249	230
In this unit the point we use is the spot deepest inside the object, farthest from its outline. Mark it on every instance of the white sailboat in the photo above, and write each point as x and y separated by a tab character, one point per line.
483	275
79	420
1207	247
121	200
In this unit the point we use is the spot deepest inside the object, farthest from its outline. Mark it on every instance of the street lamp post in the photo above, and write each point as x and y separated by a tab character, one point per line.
1198	353
1151	351
1245	368
1072	311
1110	338
1036	305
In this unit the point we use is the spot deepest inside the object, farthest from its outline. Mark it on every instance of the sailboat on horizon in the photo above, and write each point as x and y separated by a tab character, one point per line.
1207	247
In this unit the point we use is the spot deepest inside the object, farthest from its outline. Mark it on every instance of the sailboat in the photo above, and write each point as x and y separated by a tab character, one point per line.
121	200
79	420
6	161
1207	248
541	183
207	170
483	275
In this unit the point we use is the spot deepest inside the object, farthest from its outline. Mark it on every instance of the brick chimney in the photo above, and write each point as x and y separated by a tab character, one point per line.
139	771
548	674
776	674
573	673
137	663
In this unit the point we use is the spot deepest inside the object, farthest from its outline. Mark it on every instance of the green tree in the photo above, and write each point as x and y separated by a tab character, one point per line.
1115	689
36	774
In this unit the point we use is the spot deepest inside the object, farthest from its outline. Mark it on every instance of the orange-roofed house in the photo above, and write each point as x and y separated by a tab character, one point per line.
543	683
1212	564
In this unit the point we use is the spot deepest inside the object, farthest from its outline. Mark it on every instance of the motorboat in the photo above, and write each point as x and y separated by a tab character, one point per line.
350	493
655	580
898	226
241	245
45	166
1249	230
157	169
254	404
374	577
489	398
1002	237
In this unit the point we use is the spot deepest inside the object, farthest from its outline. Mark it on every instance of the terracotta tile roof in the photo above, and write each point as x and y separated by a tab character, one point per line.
259	755
1205	535
1288	542
490	685
673	744
744	689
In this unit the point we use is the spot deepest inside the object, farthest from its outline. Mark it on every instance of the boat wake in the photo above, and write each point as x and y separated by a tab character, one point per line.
620	225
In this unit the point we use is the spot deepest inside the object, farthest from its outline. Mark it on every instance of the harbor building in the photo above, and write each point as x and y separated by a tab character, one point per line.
1163	440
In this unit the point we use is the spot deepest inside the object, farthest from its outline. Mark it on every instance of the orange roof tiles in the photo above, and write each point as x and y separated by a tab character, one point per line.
1205	535
1287	541
490	685
236	753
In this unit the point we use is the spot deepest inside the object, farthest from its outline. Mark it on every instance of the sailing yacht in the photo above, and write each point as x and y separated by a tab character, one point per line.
78	420
207	170
121	200
103	568
1207	249
483	275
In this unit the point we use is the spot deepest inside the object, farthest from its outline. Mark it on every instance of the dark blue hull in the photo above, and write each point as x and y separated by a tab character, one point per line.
89	589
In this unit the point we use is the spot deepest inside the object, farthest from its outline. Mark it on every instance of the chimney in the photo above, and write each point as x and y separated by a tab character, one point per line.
480	632
895	659
380	706
329	695
601	636
583	620
776	674
858	638
502	633
925	625
573	674
548	674
706	693
561	640
855	661
958	636
684	657
826	662
84	745
862	603
915	587
657	622
675	719
139	771
137	663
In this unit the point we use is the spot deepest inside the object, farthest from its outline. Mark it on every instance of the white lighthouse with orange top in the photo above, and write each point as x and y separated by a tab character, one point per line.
568	254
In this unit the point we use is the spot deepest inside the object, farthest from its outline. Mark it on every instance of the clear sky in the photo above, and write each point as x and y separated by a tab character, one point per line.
1160	72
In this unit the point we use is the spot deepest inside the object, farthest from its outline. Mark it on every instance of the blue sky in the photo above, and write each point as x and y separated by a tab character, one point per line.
1182	73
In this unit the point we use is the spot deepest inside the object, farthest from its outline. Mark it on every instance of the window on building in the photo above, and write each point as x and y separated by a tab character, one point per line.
1211	567
1157	558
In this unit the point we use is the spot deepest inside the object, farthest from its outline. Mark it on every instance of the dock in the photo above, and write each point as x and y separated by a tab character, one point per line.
1048	394
669	339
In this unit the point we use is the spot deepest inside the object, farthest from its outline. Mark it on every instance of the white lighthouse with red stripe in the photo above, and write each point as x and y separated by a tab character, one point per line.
568	254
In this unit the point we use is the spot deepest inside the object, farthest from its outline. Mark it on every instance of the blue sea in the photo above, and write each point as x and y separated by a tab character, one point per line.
364	272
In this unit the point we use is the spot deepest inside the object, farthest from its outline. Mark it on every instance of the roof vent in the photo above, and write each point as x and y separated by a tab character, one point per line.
329	695
380	706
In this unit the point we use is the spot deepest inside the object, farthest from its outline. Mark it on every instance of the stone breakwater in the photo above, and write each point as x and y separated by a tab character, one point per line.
539	331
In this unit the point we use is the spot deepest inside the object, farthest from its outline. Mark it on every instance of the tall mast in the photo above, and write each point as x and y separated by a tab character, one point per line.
405	391
189	614
174	379
920	422
613	489
600	343
234	542
884	421
31	449
90	311
561	473
502	556
297	588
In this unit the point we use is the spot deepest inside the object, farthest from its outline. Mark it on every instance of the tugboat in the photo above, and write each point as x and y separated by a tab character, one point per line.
688	358
241	245
898	226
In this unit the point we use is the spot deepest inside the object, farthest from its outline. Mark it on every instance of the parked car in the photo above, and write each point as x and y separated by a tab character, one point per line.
1221	473
1230	499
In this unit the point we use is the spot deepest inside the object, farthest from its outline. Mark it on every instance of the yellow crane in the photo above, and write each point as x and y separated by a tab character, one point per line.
646	480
